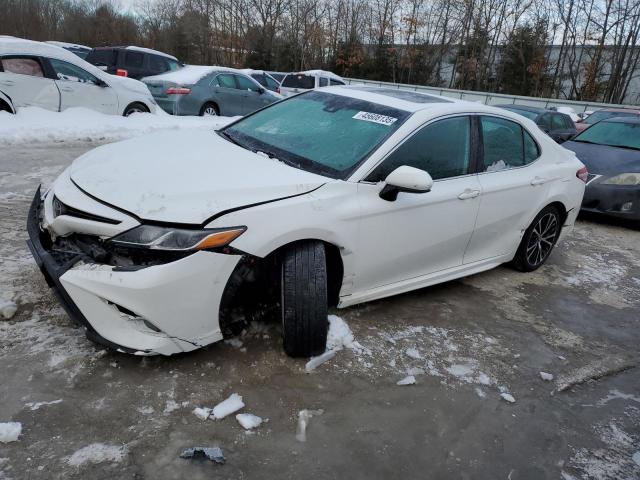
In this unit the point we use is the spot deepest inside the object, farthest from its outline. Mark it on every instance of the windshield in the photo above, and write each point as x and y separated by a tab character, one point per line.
299	80
524	113
614	134
318	132
595	117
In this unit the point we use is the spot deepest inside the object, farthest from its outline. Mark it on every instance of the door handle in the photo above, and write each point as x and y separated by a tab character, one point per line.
67	89
538	181
469	194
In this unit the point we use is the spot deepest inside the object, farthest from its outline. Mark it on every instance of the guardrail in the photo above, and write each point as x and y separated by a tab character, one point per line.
494	98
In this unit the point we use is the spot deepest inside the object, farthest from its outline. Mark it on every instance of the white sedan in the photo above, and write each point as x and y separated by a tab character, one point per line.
162	244
36	74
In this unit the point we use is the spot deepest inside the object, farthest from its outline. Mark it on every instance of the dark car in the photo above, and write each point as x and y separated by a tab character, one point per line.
605	113
610	149
134	62
278	76
558	126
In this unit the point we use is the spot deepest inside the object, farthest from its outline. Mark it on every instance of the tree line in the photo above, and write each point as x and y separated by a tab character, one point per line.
576	49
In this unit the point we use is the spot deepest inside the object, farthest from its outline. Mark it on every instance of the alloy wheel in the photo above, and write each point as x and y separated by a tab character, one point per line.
210	112
542	239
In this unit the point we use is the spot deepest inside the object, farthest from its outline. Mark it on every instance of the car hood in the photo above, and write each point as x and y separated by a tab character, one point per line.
185	177
603	160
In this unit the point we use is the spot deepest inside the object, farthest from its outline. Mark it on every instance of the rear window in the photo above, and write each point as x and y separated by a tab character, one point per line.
157	64
299	80
22	66
102	57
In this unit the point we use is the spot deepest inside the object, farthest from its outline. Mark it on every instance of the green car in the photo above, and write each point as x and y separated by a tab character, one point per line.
201	90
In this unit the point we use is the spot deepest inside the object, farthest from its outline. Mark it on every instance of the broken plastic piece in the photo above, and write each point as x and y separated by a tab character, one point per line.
211	453
319	360
303	420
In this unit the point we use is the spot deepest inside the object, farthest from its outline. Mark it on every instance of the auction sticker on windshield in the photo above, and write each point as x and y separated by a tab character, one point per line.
375	118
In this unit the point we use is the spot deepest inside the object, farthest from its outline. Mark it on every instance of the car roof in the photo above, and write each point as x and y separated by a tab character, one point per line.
619	110
526	108
633	120
138	49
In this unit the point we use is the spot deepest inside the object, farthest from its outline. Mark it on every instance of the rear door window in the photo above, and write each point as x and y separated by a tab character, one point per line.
133	59
226	80
299	80
22	66
503	144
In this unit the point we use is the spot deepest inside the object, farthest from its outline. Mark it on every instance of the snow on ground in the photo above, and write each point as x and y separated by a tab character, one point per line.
36	125
10	431
248	421
97	453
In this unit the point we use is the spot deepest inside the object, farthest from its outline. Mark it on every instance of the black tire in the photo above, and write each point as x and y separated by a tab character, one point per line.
209	109
538	240
135	108
303	302
4	107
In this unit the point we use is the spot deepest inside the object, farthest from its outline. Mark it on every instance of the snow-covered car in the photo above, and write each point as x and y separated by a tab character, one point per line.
38	74
295	83
333	197
80	50
208	91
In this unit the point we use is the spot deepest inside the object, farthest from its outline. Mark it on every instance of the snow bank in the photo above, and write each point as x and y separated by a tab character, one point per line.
248	420
97	453
228	406
36	125
10	431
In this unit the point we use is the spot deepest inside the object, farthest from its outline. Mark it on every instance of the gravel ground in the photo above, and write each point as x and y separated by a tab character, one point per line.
107	415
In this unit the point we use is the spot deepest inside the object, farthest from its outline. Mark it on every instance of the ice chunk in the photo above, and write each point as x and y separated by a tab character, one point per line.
97	453
8	309
636	458
340	335
202	412
303	421
508	397
413	353
171	406
483	379
211	453
10	431
547	377
408	380
248	420
37	405
228	406
480	392
319	360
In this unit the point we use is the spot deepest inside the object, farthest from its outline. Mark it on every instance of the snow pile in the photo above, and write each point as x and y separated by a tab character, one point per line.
340	335
8	309
248	421
228	406
97	453
10	431
408	380
36	125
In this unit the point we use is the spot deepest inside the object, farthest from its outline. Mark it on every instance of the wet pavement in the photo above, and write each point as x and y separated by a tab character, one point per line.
123	416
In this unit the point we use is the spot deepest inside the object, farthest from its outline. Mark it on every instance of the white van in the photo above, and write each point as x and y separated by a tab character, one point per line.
299	82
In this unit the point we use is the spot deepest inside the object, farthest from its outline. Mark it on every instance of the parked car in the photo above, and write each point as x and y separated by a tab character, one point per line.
336	196
263	78
80	50
605	113
201	90
557	125
131	61
294	83
42	75
611	151
569	111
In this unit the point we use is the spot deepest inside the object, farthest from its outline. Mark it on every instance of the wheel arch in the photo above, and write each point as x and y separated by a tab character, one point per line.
6	103
136	102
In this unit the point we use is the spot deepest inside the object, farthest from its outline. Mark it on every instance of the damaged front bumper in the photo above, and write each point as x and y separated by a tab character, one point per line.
159	309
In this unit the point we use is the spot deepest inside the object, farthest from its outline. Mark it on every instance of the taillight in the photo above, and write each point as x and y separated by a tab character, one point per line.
121	72
178	91
583	174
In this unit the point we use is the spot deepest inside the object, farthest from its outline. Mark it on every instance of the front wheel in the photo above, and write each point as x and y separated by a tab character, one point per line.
538	240
135	108
304	304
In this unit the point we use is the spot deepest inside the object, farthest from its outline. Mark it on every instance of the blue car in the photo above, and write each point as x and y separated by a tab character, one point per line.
201	90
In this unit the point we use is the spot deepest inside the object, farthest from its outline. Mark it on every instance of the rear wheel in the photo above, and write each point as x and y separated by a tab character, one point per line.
538	240
135	108
209	110
304	299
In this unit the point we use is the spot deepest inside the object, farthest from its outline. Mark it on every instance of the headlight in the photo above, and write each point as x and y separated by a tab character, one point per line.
177	239
624	179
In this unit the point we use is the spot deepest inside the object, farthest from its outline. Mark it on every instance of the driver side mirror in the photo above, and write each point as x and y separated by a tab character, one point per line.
406	179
